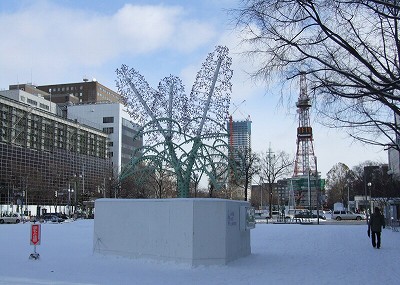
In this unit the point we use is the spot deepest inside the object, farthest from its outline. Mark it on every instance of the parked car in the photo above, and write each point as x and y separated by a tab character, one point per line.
275	214
53	217
261	214
347	215
291	213
308	215
11	219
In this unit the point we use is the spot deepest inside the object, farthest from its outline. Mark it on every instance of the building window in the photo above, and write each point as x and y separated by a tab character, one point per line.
32	102
108	119
108	130
110	144
43	106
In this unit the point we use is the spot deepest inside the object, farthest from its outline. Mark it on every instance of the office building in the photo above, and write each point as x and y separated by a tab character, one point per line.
114	120
46	159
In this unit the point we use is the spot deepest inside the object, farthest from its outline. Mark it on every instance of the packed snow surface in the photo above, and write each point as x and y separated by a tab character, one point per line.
329	253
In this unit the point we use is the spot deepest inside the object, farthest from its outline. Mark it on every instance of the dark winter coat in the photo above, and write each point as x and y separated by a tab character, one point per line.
376	222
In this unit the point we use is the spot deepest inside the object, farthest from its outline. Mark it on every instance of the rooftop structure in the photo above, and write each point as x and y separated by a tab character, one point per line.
86	91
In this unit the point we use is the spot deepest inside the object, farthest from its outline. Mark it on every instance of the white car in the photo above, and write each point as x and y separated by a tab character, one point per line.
13	219
261	214
347	215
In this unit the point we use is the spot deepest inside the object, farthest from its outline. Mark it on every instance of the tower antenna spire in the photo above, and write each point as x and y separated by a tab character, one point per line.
305	163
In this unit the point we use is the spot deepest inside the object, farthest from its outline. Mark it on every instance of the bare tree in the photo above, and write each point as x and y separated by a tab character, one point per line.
338	183
373	179
245	166
163	183
274	166
350	51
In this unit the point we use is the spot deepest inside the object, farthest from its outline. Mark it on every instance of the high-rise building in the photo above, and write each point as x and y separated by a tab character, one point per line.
239	136
240	152
46	159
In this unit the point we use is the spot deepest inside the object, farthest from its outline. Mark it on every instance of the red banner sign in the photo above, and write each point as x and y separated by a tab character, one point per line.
35	234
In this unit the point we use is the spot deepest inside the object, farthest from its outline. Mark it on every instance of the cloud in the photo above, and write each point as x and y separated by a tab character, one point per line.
45	35
145	28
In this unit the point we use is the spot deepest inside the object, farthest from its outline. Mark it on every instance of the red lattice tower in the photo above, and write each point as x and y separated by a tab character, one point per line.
305	162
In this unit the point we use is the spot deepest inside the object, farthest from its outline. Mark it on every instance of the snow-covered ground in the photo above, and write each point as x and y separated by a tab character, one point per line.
281	254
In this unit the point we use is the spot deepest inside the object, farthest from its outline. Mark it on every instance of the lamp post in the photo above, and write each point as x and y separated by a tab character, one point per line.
370	197
261	190
69	198
309	189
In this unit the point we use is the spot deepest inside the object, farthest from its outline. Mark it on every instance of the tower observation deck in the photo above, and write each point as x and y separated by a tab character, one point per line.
305	162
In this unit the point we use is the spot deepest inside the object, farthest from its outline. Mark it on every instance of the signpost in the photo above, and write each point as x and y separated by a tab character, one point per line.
35	239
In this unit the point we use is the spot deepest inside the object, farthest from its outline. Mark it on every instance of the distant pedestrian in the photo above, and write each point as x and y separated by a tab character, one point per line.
376	222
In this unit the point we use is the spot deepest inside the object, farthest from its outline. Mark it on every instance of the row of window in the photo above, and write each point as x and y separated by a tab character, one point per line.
35	103
23	168
105	91
31	102
67	88
108	130
26	129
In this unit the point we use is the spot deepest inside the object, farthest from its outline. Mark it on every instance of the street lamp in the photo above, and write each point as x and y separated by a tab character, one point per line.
261	190
69	198
370	196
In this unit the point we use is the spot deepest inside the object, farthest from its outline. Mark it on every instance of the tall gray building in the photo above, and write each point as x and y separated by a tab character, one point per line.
239	150
239	136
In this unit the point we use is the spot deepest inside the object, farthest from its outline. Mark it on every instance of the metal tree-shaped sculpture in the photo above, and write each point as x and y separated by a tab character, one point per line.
184	134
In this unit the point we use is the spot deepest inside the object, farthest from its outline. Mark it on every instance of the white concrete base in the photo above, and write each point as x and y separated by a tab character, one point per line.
193	231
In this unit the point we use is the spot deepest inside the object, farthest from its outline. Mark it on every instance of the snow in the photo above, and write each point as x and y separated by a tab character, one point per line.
329	253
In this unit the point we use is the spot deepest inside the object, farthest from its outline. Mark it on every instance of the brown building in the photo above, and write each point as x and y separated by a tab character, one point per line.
86	92
29	88
62	100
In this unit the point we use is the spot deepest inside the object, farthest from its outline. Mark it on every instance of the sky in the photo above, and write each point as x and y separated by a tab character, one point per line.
331	253
49	42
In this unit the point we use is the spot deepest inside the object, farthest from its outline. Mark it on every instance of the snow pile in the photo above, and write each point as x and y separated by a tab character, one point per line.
281	254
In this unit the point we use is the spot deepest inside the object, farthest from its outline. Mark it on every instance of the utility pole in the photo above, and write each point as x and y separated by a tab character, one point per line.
270	170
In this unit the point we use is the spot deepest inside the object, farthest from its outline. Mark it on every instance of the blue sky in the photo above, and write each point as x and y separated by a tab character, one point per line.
62	41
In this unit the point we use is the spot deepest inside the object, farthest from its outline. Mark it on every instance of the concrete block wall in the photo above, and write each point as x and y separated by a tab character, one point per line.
192	231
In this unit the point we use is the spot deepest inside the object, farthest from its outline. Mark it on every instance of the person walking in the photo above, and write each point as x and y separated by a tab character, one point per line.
376	222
